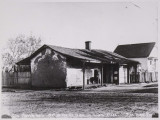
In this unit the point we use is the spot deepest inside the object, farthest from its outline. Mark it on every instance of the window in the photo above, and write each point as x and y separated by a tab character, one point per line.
115	72
150	62
115	78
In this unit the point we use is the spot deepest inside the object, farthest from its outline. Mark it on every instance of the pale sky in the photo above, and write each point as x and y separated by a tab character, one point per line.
106	24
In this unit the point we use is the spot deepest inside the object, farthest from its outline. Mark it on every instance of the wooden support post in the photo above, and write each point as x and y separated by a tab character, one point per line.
145	77
30	76
128	75
135	67
118	74
18	67
111	73
83	75
102	76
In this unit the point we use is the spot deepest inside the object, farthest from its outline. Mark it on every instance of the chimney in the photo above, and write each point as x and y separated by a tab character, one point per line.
88	45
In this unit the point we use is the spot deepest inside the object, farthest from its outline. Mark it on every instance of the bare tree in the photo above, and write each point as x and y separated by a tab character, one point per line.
19	48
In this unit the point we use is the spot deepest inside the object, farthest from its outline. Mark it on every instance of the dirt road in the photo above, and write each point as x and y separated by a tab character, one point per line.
137	100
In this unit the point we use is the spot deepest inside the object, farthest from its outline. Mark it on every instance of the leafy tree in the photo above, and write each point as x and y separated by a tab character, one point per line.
19	48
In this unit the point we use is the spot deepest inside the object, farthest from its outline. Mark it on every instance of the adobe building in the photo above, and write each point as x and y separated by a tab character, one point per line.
59	67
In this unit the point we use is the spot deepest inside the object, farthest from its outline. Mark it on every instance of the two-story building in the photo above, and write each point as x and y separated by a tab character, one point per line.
146	54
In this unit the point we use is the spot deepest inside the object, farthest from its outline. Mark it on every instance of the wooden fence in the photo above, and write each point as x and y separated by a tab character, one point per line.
144	77
134	78
16	79
149	77
19	79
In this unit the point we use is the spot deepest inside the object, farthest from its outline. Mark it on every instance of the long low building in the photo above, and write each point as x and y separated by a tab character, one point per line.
59	67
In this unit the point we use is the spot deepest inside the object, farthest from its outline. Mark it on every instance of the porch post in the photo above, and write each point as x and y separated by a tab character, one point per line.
102	75
30	76
111	72
18	67
118	74
128	75
136	79
83	75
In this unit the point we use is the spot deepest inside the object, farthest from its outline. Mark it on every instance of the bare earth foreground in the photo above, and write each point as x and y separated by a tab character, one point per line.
136	100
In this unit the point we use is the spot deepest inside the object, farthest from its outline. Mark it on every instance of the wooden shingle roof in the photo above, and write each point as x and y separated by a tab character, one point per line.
82	54
140	50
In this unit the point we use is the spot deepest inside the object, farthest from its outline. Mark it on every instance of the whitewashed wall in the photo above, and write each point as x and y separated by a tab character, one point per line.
152	65
74	77
154	55
154	52
122	75
143	61
48	69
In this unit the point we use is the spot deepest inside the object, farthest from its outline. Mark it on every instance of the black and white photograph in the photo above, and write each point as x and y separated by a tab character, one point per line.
79	59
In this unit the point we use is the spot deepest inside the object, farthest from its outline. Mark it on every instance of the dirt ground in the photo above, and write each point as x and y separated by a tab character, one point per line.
136	100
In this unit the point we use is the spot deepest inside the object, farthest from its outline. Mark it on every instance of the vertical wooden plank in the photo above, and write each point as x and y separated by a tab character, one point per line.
17	73
83	75
102	75
30	76
118	73
144	76
135	67
111	73
127	74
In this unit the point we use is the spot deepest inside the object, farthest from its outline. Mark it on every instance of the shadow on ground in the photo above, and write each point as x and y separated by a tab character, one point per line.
150	90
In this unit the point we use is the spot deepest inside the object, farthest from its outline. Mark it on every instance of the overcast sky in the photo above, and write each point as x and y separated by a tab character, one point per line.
106	24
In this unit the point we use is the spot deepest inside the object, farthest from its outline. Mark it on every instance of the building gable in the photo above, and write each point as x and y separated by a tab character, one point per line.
154	52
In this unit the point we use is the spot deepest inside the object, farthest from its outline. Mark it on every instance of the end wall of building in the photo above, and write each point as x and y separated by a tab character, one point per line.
48	69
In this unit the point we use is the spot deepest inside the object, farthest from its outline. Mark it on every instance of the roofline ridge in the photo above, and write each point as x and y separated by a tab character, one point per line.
61	47
136	43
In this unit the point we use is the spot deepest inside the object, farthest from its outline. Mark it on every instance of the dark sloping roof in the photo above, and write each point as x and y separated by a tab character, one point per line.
82	54
140	50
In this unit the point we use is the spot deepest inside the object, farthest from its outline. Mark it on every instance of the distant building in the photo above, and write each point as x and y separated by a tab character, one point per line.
146	54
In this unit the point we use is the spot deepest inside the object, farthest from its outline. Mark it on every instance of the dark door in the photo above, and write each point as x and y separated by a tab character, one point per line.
116	73
107	73
96	76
